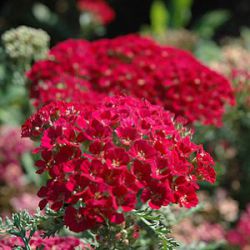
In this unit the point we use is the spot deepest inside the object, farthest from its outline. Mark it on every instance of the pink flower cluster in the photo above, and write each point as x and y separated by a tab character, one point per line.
103	159
12	146
82	71
240	236
55	243
25	201
189	232
100	9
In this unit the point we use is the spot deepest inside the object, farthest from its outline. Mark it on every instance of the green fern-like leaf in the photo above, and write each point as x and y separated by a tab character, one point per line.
153	222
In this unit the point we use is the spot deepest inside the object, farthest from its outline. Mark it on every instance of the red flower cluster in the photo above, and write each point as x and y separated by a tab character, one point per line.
55	243
136	66
65	75
240	236
99	9
167	76
102	159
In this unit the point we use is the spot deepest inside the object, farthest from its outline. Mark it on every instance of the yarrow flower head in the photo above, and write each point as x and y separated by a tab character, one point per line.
138	67
65	75
100	10
102	159
24	43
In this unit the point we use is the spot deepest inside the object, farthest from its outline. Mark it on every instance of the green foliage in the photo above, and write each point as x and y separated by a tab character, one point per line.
176	15
51	222
153	223
180	13
245	36
207	51
21	225
28	164
210	22
24	225
154	232
43	14
159	17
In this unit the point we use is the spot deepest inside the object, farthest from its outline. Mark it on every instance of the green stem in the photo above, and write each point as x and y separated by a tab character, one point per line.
26	244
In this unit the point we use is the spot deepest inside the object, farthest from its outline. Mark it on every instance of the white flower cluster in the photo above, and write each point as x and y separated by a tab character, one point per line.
25	43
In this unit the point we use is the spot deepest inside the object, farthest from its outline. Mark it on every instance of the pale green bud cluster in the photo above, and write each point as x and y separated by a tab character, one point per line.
25	43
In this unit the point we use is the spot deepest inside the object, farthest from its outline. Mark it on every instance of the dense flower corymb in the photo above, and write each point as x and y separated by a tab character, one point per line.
65	75
102	159
136	66
166	76
25	43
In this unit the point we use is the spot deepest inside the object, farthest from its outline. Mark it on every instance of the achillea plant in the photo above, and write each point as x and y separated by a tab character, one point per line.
64	75
25	44
105	161
136	66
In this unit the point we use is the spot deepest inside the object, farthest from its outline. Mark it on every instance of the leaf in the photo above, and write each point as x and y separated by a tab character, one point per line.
180	12
28	164
159	17
210	22
245	34
155	225
208	51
